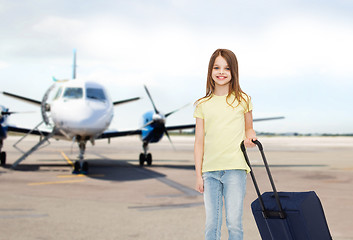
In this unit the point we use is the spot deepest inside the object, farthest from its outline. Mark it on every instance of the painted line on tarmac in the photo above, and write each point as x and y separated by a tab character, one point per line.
80	175
23	216
72	176
73	166
56	182
14	213
166	206
67	159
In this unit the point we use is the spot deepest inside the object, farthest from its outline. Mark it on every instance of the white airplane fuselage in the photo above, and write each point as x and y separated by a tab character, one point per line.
81	109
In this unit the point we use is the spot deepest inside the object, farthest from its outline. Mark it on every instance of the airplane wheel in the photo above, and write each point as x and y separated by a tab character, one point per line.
3	158
85	168
149	159
142	159
77	167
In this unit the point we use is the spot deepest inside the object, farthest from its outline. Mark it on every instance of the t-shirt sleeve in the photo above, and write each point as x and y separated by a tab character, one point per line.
198	112
245	105
250	106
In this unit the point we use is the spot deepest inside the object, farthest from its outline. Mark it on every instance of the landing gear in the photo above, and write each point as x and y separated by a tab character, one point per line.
80	169
145	157
142	159
77	168
85	168
81	166
3	158
149	159
82	146
2	155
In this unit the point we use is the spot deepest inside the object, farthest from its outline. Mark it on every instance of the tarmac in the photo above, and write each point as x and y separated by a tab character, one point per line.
120	200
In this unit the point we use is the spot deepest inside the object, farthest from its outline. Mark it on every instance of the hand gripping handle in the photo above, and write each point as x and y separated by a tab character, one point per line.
265	212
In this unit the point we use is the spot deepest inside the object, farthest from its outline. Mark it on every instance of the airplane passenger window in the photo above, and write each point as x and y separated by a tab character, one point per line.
95	93
73	93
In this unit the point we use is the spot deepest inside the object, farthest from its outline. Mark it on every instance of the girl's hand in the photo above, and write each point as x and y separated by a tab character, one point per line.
248	142
199	184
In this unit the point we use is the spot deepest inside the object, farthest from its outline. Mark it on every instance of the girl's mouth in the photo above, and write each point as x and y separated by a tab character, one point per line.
221	77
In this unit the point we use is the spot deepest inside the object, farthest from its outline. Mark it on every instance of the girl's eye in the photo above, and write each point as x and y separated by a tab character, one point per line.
215	67
227	68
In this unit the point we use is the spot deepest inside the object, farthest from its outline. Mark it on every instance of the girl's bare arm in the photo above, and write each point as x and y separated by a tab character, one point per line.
198	152
249	130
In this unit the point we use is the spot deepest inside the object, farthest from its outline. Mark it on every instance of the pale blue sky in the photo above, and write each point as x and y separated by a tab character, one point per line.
295	57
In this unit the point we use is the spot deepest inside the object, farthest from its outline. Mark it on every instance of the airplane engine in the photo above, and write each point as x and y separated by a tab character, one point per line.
45	107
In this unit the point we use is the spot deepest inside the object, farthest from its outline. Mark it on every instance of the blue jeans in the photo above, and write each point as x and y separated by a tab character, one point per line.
230	184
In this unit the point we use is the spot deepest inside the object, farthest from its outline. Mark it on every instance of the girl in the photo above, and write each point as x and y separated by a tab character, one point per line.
223	120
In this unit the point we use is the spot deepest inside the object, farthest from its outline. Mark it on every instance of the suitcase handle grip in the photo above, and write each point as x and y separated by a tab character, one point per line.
265	212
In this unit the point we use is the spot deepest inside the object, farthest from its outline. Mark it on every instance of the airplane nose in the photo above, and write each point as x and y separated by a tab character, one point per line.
80	114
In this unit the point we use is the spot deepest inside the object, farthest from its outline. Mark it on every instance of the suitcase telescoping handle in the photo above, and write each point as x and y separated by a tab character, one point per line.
266	213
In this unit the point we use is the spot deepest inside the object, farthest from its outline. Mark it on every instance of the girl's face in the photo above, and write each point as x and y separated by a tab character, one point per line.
221	72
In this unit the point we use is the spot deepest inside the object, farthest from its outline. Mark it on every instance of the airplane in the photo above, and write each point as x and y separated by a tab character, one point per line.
82	111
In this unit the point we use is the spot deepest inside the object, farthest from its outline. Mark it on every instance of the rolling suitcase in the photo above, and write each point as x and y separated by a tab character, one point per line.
287	215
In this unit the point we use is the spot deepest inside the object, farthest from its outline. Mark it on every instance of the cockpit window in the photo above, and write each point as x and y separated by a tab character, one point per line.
73	93
95	93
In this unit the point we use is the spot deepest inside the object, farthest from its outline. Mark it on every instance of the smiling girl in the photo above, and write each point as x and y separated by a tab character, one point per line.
223	121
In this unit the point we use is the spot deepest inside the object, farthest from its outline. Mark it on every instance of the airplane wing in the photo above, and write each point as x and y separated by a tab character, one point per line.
110	134
29	100
107	134
22	98
26	130
193	125
266	119
171	128
125	101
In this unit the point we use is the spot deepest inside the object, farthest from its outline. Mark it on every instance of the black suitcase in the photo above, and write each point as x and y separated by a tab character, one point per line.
287	215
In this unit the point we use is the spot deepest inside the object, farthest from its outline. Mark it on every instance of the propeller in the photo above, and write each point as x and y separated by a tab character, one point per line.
9	113
170	140
3	113
170	113
157	112
6	113
149	95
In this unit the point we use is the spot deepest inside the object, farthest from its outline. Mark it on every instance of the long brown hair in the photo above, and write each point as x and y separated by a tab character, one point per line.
234	87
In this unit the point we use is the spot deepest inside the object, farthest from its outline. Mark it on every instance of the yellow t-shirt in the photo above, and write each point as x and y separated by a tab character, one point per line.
224	128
